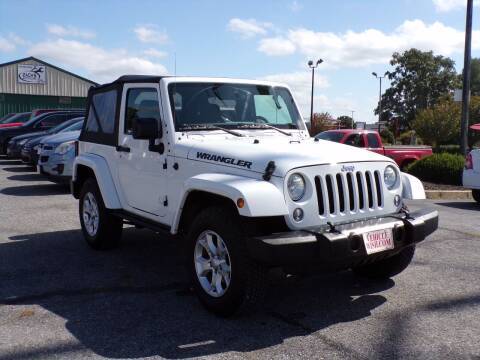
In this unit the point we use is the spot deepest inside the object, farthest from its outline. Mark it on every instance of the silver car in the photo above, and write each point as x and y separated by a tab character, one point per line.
56	155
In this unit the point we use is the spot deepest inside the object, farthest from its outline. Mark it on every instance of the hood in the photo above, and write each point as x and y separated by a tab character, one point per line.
61	137
254	153
29	135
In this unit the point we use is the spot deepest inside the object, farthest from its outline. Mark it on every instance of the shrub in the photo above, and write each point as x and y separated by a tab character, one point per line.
439	168
387	136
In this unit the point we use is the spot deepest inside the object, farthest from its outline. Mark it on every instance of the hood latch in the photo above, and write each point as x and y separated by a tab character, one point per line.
269	170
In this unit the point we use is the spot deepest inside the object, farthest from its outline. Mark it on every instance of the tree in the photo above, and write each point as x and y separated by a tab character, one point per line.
321	122
474	77
439	124
418	81
346	122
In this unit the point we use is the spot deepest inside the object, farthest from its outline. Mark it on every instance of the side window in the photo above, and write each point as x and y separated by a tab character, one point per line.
101	115
373	141
51	121
141	103
355	140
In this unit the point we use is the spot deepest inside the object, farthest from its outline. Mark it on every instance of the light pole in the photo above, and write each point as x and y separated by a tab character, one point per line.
352	117
380	96
313	66
466	79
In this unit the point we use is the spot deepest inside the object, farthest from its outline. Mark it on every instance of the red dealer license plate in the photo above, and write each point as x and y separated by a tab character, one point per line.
376	241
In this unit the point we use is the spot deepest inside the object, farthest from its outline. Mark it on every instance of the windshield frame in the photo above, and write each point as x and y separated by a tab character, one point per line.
294	113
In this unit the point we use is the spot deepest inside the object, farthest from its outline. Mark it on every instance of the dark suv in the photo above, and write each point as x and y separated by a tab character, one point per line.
39	123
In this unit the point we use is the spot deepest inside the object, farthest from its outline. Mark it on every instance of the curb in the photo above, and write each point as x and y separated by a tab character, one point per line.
449	194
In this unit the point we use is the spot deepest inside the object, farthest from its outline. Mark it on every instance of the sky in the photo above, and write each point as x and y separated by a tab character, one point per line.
267	39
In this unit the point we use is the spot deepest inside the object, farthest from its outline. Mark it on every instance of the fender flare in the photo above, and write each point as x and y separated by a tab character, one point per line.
412	187
262	198
103	177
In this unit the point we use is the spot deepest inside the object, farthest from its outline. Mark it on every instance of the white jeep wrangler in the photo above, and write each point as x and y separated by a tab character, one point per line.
228	165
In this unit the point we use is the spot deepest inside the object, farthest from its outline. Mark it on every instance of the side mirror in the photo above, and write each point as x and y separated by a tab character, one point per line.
144	128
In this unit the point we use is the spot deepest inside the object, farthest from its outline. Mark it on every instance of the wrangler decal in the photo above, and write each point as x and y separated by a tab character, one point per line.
224	159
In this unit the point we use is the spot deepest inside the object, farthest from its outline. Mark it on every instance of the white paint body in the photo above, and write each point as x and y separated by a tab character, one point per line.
471	177
138	183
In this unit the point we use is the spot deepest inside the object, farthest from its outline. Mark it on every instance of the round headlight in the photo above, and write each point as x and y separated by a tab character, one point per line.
296	186
390	176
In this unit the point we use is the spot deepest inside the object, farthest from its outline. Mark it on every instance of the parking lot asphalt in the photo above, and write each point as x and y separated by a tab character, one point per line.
60	299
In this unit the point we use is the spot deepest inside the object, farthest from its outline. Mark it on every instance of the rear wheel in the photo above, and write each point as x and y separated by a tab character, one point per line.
224	277
476	195
388	267
101	229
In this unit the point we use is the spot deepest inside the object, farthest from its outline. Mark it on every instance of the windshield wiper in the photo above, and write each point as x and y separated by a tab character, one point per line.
209	127
264	126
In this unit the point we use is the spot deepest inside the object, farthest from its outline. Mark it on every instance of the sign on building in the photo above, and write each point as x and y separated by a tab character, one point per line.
31	74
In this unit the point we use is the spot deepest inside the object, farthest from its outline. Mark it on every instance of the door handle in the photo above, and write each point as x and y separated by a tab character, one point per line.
123	148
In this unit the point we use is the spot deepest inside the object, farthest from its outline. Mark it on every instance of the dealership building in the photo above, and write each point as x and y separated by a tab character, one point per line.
30	83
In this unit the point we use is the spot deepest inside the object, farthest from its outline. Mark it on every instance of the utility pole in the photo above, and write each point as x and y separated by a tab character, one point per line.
379	96
466	79
352	117
313	66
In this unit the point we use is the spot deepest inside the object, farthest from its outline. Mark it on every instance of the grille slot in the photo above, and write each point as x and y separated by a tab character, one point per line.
378	186
343	193
330	194
320	199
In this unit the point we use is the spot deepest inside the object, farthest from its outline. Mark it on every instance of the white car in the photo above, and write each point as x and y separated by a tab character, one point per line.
471	173
228	168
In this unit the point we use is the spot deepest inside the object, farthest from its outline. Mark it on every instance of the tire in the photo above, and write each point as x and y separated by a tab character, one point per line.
476	195
221	227
105	230
386	268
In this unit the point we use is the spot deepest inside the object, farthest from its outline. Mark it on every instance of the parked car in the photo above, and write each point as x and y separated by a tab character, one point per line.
15	120
56	156
6	117
229	166
15	145
41	122
471	171
37	112
29	152
371	140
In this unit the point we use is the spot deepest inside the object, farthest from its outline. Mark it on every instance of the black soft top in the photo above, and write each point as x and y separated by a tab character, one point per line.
131	79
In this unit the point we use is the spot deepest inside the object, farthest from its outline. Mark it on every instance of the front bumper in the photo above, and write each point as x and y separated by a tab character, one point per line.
13	151
57	168
343	246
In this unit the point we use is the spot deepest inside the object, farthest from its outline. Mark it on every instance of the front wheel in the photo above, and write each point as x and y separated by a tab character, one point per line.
386	268
224	277
101	229
476	195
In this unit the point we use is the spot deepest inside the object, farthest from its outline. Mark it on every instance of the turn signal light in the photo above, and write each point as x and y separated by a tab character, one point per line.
240	203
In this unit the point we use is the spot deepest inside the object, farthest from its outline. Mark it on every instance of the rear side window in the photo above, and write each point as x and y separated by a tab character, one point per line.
101	114
373	141
141	103
355	140
51	121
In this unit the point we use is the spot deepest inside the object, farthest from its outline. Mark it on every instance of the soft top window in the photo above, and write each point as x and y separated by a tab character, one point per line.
101	115
101	123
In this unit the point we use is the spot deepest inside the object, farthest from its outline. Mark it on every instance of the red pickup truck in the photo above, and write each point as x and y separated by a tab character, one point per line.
370	140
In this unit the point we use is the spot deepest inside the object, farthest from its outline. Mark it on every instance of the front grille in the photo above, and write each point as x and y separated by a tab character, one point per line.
347	193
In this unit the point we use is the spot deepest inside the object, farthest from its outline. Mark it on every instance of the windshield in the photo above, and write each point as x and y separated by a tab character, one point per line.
75	126
331	136
17	118
197	105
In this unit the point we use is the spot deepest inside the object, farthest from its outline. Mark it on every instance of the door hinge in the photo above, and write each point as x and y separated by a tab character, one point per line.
165	202
165	164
